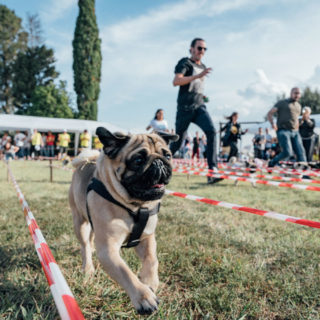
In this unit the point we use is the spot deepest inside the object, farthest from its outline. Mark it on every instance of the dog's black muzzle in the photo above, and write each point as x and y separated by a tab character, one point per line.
150	184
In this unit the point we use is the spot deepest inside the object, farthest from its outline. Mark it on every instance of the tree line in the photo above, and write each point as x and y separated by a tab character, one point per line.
29	81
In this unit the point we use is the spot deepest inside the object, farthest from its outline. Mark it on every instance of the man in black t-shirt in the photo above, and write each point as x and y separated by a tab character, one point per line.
189	75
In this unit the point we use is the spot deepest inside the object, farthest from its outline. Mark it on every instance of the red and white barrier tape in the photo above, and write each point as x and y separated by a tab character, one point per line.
266	182
250	175
311	173
222	166
62	295
268	214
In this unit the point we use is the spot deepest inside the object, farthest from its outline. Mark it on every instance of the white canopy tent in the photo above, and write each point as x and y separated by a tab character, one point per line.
9	122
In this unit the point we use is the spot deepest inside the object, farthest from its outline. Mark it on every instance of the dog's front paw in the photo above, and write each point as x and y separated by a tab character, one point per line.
145	301
88	269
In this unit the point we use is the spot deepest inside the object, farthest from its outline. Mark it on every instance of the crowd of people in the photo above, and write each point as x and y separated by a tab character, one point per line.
35	145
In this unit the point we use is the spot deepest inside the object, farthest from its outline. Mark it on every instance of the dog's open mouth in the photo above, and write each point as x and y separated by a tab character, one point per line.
158	186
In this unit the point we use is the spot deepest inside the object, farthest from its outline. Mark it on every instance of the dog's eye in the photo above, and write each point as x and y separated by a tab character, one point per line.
167	155
138	160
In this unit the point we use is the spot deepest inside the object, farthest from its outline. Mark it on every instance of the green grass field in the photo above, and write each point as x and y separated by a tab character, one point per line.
214	263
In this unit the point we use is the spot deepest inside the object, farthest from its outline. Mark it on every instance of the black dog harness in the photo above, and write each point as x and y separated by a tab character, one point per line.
140	217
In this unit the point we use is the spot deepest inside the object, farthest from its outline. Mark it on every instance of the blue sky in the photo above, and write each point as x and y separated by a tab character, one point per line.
258	49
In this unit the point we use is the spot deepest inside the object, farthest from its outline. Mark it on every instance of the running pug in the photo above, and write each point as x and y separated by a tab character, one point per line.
134	169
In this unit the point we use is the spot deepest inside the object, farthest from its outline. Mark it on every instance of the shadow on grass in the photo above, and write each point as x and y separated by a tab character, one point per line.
12	258
24	291
23	300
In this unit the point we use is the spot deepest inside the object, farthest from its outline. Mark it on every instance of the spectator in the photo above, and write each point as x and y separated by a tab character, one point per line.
97	143
36	142
9	151
259	144
4	139
18	139
268	144
287	126
43	148
3	142
187	149
195	147
233	133
50	144
64	140
158	123
84	139
27	146
306	127
203	147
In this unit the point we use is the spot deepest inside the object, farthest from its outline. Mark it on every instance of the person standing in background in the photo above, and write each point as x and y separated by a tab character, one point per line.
306	130
97	143
36	142
18	139
158	123
195	147
268	144
85	138
259	141
27	146
288	111
43	149
50	144
64	140
233	133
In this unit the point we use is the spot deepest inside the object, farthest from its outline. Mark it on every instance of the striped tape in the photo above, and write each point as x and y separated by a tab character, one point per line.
310	173
221	165
268	214
250	175
266	182
66	304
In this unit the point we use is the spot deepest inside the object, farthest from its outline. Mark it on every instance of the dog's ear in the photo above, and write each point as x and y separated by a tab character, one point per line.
167	137
112	142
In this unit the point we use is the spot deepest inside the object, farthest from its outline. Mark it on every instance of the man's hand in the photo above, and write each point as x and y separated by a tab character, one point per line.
204	72
274	127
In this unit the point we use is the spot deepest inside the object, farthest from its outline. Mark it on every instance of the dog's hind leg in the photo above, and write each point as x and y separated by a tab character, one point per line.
147	252
85	236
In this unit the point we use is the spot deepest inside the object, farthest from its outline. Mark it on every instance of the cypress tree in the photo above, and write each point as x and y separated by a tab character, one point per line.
87	60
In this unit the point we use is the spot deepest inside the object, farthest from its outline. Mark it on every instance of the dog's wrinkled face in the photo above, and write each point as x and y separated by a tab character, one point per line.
145	159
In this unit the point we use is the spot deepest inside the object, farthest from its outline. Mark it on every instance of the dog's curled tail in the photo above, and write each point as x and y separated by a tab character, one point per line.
85	156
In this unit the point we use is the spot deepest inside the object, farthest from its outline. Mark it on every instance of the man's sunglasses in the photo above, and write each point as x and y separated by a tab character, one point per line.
201	48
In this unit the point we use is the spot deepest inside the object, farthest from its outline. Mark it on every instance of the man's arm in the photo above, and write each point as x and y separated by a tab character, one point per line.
181	80
270	118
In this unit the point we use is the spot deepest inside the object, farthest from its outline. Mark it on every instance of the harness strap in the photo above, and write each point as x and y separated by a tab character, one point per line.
140	217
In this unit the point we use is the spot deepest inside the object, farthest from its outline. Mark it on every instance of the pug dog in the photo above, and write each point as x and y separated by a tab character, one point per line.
133	171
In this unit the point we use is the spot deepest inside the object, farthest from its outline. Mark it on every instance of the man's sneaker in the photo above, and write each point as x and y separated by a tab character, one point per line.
213	180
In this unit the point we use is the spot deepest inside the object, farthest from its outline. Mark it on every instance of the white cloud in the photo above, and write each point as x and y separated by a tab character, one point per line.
56	9
314	80
263	88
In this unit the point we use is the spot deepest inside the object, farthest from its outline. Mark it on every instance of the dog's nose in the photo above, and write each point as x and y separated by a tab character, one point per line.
160	165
